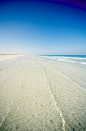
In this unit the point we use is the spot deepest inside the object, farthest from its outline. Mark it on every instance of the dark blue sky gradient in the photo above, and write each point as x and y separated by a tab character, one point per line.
43	27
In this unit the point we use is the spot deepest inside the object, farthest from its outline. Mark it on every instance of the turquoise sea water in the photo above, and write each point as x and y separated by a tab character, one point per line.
82	56
80	59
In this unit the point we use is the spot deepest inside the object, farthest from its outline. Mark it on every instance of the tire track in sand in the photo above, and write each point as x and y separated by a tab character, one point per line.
58	110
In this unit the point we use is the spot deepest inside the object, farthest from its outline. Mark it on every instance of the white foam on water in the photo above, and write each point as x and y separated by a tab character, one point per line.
65	60
68	59
83	63
79	58
53	58
62	60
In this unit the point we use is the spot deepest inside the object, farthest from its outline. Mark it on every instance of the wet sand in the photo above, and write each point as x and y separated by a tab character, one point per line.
37	95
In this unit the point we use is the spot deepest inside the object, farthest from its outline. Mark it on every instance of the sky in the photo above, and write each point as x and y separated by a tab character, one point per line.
44	27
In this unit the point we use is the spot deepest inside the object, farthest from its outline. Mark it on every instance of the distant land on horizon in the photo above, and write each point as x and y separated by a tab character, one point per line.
11	54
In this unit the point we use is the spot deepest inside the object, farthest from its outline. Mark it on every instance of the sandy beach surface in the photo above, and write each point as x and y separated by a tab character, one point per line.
7	60
7	57
37	94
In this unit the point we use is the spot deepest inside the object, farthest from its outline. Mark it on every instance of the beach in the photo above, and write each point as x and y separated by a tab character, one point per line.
7	57
41	94
7	60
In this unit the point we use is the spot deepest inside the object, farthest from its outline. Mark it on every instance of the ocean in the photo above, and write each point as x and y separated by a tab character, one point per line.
79	59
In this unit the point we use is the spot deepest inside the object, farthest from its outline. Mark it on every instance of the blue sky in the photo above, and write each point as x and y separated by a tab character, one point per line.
42	28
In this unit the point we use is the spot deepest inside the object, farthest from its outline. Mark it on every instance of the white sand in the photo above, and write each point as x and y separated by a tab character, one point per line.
34	96
7	57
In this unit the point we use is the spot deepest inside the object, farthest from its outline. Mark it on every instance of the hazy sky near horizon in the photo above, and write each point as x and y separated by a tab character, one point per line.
42	27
